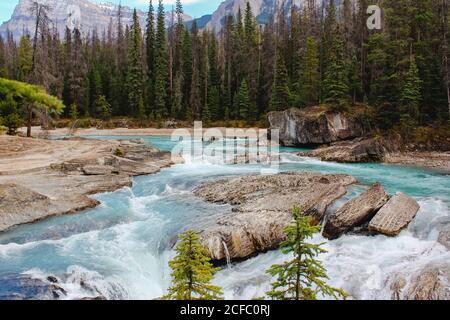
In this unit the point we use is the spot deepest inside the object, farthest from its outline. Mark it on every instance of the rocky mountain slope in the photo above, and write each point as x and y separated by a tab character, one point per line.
262	9
83	14
88	16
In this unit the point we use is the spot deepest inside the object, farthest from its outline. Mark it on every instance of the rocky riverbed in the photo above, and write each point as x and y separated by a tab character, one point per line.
339	137
261	209
43	178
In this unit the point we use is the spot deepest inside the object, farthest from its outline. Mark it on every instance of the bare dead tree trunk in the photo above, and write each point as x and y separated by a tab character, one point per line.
38	9
29	120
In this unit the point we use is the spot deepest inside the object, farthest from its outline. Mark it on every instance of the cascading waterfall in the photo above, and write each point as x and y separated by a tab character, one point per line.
227	254
121	249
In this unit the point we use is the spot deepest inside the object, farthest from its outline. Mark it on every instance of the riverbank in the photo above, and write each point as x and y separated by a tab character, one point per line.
433	160
44	178
225	132
343	152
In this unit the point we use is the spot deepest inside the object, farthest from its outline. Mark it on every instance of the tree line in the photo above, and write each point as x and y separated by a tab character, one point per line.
317	54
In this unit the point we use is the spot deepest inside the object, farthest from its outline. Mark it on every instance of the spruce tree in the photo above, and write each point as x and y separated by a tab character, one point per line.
24	59
102	108
73	111
280	90
192	271
187	74
135	76
161	66
303	277
9	114
242	101
206	115
309	78
150	56
3	69
336	89
410	96
195	99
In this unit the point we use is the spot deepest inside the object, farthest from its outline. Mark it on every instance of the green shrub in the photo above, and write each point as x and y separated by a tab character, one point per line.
119	153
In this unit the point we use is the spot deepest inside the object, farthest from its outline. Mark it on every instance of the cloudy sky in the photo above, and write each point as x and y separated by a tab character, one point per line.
195	8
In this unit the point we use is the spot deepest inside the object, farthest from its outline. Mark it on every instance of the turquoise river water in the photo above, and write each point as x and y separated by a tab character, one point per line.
120	249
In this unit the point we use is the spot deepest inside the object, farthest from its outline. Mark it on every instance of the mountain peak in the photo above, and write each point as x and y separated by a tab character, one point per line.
83	14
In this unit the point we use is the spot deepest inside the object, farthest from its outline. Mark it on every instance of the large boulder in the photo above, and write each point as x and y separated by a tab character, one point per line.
430	283
313	126
395	215
356	212
25	287
354	151
261	209
444	235
19	204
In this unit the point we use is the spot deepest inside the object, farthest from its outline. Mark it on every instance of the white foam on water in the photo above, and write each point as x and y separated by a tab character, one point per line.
130	260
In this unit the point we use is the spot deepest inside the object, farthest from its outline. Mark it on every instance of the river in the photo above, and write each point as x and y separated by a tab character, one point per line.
121	249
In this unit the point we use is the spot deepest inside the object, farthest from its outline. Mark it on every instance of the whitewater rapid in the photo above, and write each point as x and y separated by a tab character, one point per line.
121	249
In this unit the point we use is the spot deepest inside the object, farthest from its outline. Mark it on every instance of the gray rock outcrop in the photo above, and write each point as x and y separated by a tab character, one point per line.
355	212
395	215
43	178
313	126
261	209
430	283
354	151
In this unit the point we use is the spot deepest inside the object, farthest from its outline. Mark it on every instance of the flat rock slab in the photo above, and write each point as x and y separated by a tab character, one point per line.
17	200
262	209
43	178
355	212
395	215
97	170
355	151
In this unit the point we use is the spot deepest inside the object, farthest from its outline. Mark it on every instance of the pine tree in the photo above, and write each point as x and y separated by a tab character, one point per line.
411	96
192	271
309	78
187	74
30	98
150	56
303	277
329	32
206	115
177	101
336	89
195	91
9	113
266	62
251	52
280	90
3	70
24	59
78	72
214	102
161	66
178	38
134	75
243	101
73	111
102	108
